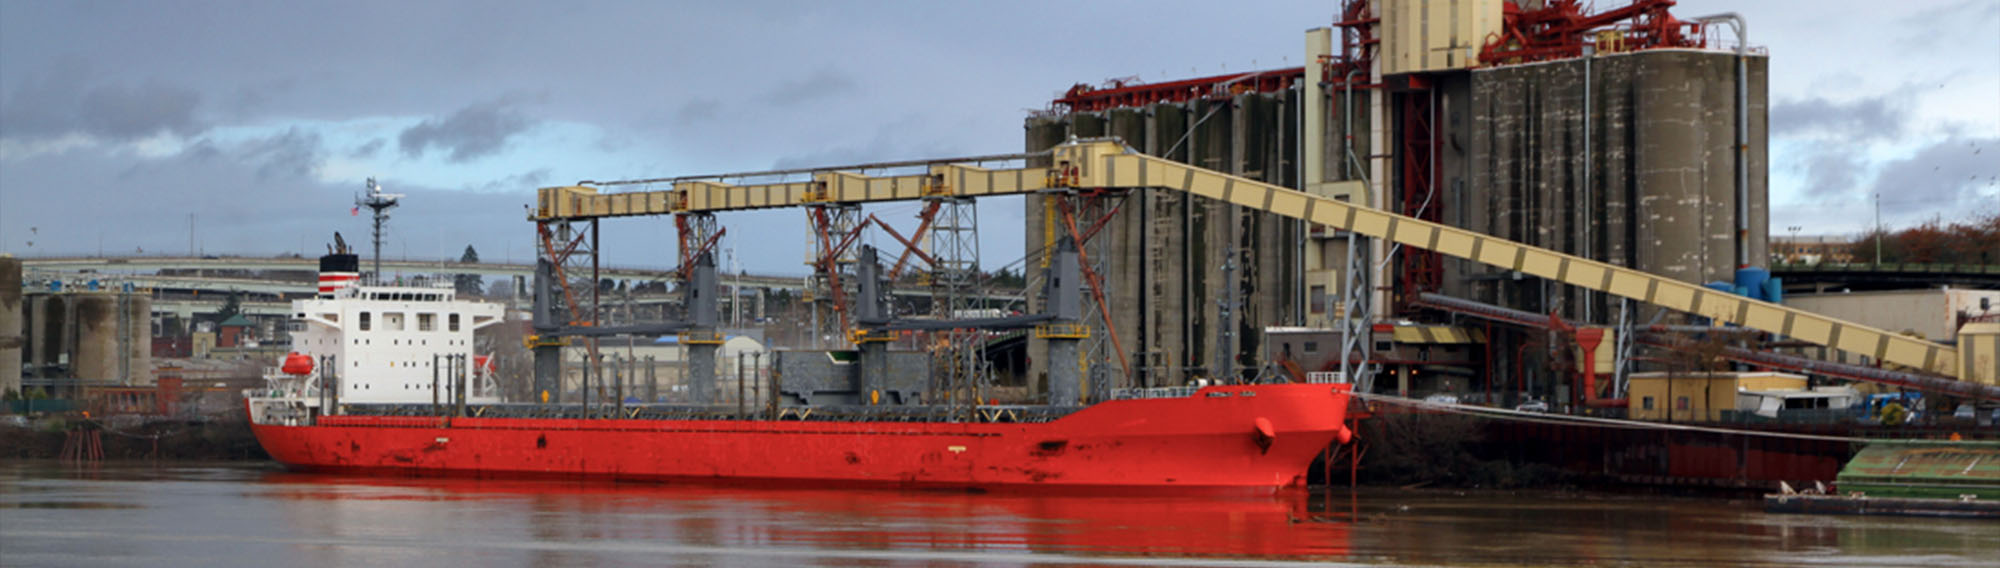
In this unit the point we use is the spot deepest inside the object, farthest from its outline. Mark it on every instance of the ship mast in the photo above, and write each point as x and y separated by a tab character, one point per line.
380	203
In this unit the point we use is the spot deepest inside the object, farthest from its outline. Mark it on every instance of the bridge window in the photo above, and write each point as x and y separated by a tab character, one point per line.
453	322
427	322
364	321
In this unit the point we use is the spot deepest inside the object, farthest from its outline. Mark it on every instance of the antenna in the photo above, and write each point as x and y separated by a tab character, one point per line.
379	203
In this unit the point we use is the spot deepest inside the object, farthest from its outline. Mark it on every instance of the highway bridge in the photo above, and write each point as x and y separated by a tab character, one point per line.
198	284
1826	277
154	264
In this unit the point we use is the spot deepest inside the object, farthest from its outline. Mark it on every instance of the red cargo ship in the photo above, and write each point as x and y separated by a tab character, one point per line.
394	348
1255	438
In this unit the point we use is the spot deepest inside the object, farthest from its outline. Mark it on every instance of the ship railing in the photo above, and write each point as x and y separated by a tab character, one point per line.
1153	392
1318	377
820	413
1062	331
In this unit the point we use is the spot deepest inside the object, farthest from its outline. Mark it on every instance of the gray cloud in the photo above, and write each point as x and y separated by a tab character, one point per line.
472	132
267	65
697	110
1832	170
292	153
369	149
1945	177
821	84
240	208
519	184
63	101
1867	118
891	142
201	149
1948	24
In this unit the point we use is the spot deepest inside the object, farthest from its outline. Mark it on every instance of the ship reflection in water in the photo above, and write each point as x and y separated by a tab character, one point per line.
247	514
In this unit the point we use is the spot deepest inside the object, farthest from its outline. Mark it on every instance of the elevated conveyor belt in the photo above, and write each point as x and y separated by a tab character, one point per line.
1104	164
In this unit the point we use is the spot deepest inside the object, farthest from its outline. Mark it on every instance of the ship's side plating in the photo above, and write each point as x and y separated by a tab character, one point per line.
1256	438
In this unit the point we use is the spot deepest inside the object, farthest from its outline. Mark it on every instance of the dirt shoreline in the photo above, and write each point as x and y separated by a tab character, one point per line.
176	440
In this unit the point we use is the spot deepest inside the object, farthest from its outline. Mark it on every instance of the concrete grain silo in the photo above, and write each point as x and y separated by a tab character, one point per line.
12	340
97	357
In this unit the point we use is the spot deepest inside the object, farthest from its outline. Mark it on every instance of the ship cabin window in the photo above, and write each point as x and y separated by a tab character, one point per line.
364	321
392	321
1312	346
295	325
453	319
427	322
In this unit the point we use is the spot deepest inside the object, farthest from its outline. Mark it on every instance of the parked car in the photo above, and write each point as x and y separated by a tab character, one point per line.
1533	406
1969	412
1441	398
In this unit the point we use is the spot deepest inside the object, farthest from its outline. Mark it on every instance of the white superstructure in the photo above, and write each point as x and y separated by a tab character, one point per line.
386	343
377	345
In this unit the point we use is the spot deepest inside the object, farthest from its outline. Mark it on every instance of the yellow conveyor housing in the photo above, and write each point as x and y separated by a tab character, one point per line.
1109	164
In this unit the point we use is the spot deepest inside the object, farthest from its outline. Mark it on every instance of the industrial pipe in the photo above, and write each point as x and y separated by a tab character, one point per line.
1917	381
1940	385
1737	23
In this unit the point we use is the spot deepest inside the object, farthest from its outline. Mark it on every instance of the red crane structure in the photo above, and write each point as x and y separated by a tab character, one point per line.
1560	30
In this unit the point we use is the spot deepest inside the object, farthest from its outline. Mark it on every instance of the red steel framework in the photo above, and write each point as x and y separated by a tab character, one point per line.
1422	269
1128	93
1560	30
1357	43
1094	200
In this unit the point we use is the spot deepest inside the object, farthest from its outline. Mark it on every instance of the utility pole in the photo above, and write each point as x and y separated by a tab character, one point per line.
1878	228
379	203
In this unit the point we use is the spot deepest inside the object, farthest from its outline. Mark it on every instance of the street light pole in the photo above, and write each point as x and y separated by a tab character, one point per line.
1792	255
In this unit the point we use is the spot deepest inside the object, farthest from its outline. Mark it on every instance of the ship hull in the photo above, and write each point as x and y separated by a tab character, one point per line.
1233	439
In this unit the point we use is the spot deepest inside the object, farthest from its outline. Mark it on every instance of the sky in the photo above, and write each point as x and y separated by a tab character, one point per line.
248	128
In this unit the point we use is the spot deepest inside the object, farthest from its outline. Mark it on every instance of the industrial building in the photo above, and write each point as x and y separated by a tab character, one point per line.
1535	182
1629	136
69	337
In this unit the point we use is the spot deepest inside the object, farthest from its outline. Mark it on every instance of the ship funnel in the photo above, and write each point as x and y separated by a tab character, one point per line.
337	271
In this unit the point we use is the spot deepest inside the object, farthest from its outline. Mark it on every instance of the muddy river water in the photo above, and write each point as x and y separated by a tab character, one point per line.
238	514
